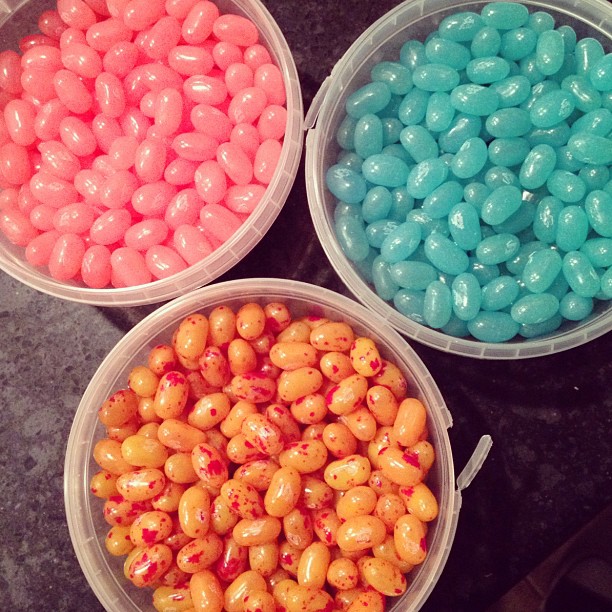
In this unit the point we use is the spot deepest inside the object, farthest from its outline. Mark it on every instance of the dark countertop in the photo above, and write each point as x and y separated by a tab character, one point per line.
548	474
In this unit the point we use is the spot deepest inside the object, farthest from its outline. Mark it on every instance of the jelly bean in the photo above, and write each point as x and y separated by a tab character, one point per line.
512	91
549	52
600	73
385	170
414	275
541	270
486	70
360	532
470	158
537	167
588	52
96	267
437	305
586	97
19	116
566	186
247	105
77	136
39	84
42	57
464	126
237	77
590	148
109	94
445	255
466	296
419	143
370	98
493	327
17	227
497	249
266	160
15	164
368	135
552	108
435	77
152	199
272	122
505	15
518	43
206	591
580	274
401	242
534	309
439	112
426	176
397	77
464	225
74	218
82	60
486	42
574	307
384	576
72	92
598	207
10	71
59	160
460	26
352	238
445	51
501	204
572	228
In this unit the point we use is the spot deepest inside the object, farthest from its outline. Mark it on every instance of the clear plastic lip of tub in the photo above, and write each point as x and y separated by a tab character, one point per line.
84	512
415	19
12	259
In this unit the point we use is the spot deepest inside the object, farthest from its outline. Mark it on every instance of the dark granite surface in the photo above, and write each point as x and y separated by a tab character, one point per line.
549	472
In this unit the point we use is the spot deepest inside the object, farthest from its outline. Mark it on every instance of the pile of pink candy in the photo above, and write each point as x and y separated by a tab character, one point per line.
136	137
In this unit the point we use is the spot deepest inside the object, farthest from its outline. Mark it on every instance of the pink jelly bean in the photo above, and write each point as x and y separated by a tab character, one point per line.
48	119
19	117
269	78
50	24
191	244
103	164
118	188
26	200
123	151
235	163
106	130
109	94
16	226
225	54
236	29
110	226
89	183
42	57
59	160
168	111
190	60
15	165
255	56
102	36
39	84
98	6
266	160
180	171
73	218
147	104
66	257
152	199
195	146
163	261
243	199
150	160
163	36
272	122
145	234
41	217
96	267
77	136
140	14
246	136
247	105
184	208
205	89
38	251
210	182
76	14
51	190
237	77
10	72
129	267
8	198
82	60
116	7
36	40
134	123
218	221
72	36
72	92
198	24
210	120
158	77
121	58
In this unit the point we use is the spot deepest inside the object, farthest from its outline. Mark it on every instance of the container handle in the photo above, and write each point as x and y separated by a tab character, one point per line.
315	105
475	462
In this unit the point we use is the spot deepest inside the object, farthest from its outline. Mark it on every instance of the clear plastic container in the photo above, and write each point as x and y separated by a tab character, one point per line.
18	19
84	511
382	41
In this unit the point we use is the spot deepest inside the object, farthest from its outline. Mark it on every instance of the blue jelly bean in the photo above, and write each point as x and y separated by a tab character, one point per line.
574	307
419	143
590	148
552	108
350	160
588	53
567	161
569	38
464	126
352	238
470	159
550	52
370	98
566	186
401	204
377	231
606	284
537	91
464	226
568	68
345	136
476	193
412	54
508	123
555	137
410	303
580	274
511	91
486	42
501	204
343	209
537	167
461	26
505	15
466	296
395	75
585	96
486	70
493	327
384	285
499	176
397	150
541	269
535	308
483	273
536	330
600	74
415	275
439	112
497	248
392	108
516	265
443	51
599	252
413	107
392	128
401	242
428	224
368	138
346	184
572	228
594	177
520	222
437	305
445	255
385	170
540	21
440	201
528	67
435	77
456	328
425	177
499	293
376	204
508	151
474	99
598	207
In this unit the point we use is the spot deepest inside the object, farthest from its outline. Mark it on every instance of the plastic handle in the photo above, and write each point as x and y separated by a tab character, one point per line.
475	462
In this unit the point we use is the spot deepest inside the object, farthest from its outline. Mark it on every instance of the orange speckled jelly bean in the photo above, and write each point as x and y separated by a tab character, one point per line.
289	557
305	457
281	590
200	553
383	576
339	440
221	326
264	558
400	466
283	492
191	336
332	336
167	597
389	508
179	469
259	601
381	484
233	560
145	452
241	356
313	565
171	395
107	454
382	404
293	355
426	454
278	316
149	564
103	484
253	387
365	357
162	359
194	512
258	473
314	432
297	528
316	493
120	511
214	367
282	418
391	376
347	473
409	539
410	422
309	409
244	584
342	574
150	528
222	519
206	592
308	599
243	499
143	381
297	331
141	485
293	384
347	395
360	533
179	436
118	542
209	464
119	408
361	423
252	532
357	501
367	601
169	498
250	321
264	435
420	501
386	550
326	523
336	366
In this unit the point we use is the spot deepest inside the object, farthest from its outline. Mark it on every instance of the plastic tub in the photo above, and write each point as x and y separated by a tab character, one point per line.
382	41
84	511
19	18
